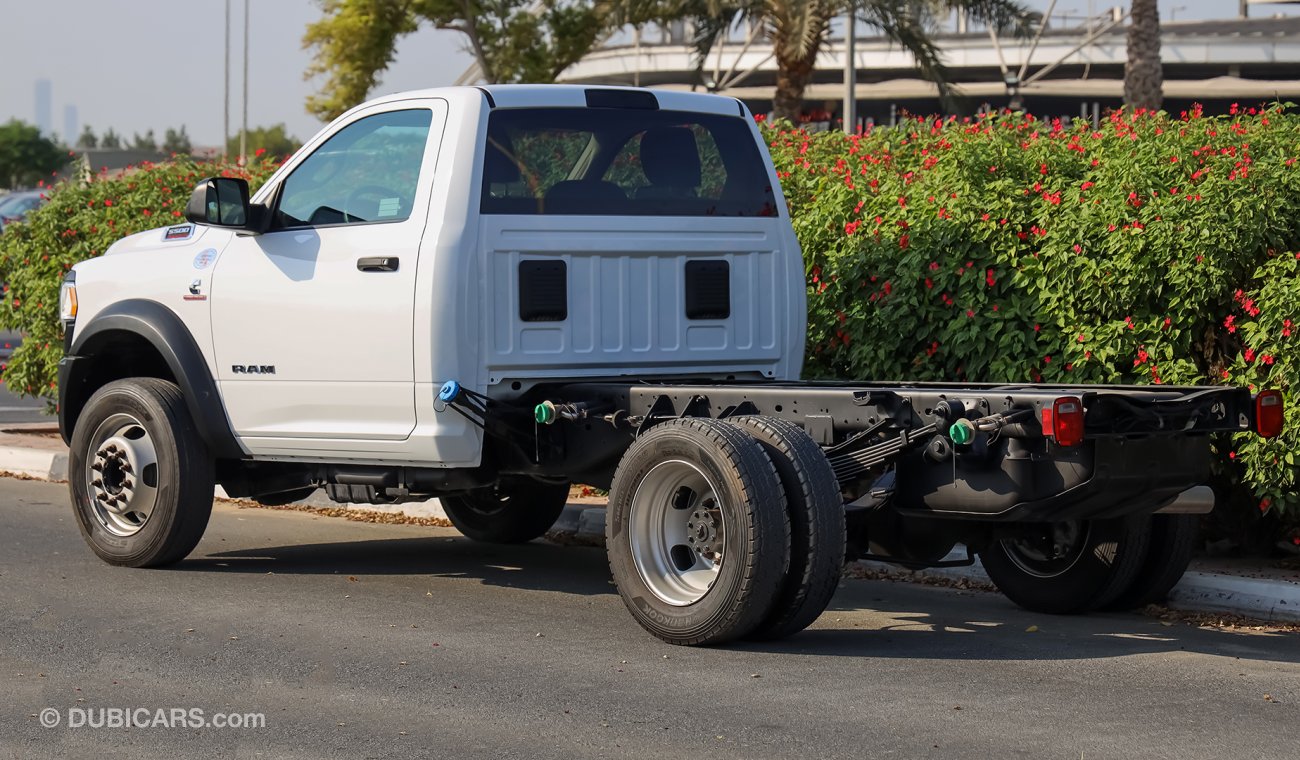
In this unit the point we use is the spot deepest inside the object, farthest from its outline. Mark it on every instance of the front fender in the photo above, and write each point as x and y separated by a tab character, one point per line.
161	329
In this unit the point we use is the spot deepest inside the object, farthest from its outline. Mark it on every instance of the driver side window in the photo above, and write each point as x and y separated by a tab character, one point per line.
367	172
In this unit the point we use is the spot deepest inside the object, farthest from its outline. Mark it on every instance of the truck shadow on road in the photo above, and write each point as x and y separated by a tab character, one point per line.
537	565
866	619
879	618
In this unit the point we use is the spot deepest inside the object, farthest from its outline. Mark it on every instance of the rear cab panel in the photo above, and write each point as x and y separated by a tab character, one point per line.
632	234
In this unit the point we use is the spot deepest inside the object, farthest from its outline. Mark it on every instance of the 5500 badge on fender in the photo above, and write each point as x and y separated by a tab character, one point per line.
253	369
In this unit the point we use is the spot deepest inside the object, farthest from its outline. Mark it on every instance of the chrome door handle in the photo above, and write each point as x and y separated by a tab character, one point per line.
378	264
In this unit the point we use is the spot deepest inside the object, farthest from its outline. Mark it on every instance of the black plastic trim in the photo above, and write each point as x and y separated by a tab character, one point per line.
639	99
708	289
487	94
543	290
169	336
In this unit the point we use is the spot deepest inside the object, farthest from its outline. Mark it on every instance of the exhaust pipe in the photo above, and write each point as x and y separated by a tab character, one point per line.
1197	500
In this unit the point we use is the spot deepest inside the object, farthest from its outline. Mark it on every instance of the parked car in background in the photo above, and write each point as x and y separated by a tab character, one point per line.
16	206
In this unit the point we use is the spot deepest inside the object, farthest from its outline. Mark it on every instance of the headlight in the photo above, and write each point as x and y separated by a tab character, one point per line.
68	301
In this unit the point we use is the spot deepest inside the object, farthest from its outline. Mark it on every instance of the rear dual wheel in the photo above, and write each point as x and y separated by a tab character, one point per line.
1068	567
1080	566
700	525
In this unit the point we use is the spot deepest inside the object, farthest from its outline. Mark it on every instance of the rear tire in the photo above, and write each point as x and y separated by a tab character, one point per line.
817	530
512	512
697	532
140	476
1169	551
1099	561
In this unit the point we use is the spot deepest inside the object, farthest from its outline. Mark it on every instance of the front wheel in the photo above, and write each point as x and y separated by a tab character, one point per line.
140	476
1068	567
511	512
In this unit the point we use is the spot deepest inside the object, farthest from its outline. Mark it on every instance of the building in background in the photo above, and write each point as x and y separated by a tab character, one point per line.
44	107
71	125
1075	67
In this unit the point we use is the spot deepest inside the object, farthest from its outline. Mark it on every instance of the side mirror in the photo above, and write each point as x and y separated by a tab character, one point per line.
221	202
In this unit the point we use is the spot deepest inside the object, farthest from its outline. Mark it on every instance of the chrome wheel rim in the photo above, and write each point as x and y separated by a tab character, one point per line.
677	532
122	475
1051	554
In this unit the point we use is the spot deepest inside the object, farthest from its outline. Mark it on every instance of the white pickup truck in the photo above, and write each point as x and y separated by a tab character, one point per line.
487	294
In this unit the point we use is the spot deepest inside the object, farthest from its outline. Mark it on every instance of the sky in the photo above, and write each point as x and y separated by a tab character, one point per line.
152	64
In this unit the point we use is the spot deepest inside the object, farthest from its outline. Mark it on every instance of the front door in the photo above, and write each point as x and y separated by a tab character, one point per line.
312	321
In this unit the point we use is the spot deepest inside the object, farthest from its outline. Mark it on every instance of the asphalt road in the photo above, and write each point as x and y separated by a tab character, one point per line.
358	641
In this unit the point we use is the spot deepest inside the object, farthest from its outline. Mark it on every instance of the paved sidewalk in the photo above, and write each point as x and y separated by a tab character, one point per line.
1214	585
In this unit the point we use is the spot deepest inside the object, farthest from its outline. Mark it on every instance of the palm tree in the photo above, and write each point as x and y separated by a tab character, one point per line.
1143	76
798	30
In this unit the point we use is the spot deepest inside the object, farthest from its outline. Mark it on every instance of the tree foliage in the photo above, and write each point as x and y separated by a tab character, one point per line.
273	141
146	142
177	142
87	138
26	156
511	40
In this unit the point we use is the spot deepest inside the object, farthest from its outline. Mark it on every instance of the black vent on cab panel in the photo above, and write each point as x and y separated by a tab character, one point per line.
708	290
543	291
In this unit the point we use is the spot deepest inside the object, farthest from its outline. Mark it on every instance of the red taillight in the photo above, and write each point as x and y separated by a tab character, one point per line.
1268	413
1063	420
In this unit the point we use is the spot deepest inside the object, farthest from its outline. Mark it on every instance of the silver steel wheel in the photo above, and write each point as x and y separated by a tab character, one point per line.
677	532
1051	554
122	475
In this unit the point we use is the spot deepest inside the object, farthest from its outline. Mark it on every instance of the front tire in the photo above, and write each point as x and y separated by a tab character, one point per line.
697	532
140	476
511	512
1069	567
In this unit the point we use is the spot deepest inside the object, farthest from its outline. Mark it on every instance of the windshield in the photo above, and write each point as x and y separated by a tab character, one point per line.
631	162
17	205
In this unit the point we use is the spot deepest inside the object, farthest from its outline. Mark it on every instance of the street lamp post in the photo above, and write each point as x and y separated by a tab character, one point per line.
850	75
225	103
243	133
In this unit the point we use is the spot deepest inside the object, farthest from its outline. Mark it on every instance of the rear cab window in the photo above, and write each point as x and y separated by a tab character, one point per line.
623	162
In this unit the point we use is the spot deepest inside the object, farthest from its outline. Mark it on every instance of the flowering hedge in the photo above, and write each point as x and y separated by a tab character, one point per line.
1154	249
81	220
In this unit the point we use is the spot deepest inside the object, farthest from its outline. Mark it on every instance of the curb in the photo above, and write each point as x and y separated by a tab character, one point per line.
34	463
1269	600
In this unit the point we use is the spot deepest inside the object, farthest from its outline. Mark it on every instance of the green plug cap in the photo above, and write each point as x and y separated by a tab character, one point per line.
544	413
961	432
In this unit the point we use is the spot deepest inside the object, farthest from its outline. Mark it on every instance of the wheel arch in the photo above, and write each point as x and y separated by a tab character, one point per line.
141	338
